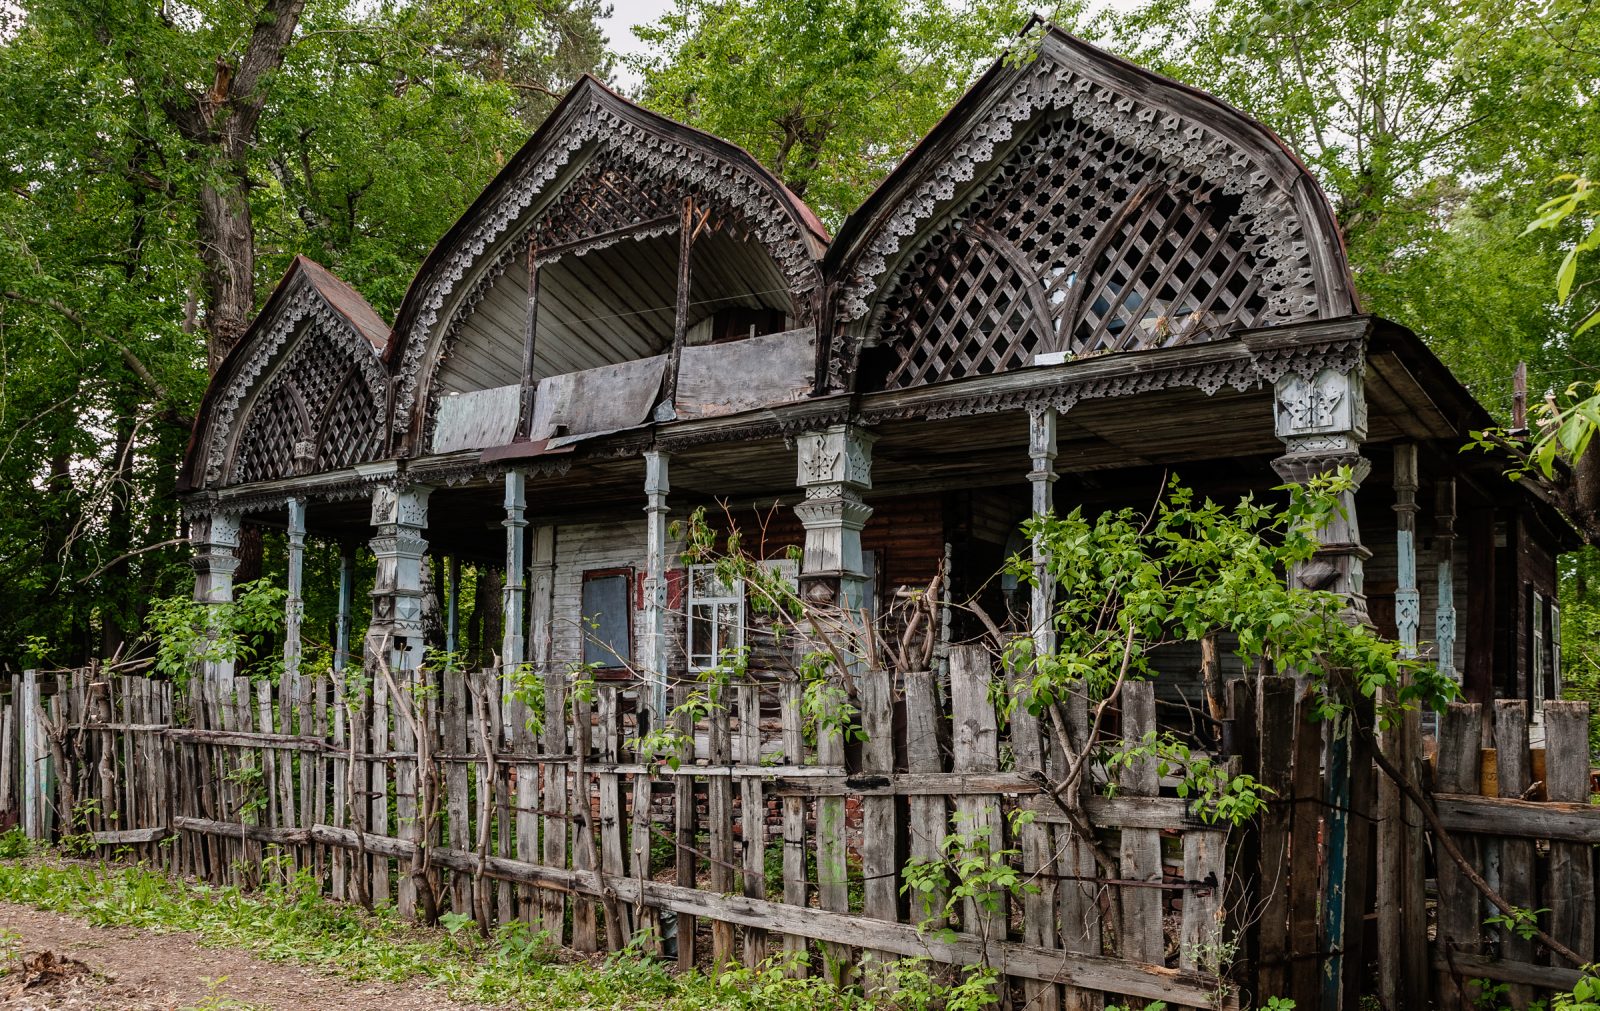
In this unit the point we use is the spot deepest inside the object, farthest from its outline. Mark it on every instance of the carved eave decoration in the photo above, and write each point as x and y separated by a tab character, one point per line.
303	392
596	131
1180	152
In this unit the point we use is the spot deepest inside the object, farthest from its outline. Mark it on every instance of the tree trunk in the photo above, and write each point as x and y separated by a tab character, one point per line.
228	250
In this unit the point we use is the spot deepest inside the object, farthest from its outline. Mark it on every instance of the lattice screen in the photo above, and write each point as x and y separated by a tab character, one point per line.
285	431
1074	243
613	191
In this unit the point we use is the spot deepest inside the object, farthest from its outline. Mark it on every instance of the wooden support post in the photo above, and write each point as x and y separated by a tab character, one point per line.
342	618
1402	919
215	538
452	610
512	652
656	489
530	340
1444	548
1028	746
665	410
294	608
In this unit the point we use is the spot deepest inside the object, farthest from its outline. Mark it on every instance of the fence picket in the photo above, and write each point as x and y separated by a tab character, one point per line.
1571	880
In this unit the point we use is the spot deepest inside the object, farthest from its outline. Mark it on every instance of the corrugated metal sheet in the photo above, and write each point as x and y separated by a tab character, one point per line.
745	375
476	420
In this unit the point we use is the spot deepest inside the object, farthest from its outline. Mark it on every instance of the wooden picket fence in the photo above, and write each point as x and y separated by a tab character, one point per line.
437	792
1524	818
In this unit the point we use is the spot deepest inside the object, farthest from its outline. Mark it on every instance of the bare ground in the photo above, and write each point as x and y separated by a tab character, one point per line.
61	963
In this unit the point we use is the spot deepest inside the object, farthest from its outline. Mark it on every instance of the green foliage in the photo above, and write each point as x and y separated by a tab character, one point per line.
516	966
1217	795
14	843
829	94
974	867
1128	583
186	632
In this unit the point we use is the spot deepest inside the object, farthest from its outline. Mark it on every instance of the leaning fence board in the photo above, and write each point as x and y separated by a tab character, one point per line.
753	817
1516	855
1460	920
1571	880
1140	856
794	814
976	748
719	814
879	866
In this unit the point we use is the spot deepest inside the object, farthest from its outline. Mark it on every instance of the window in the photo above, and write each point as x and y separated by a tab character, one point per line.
716	617
717	612
608	617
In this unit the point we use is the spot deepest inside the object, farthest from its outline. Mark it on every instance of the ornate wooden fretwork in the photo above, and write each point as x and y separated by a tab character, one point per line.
653	166
319	405
1113	224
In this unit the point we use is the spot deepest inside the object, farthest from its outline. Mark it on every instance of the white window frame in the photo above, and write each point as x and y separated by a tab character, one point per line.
700	659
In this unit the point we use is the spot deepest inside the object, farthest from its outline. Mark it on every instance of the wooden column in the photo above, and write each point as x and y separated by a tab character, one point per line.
452	608
215	538
294	608
1028	742
399	519
835	469
1444	539
512	645
341	623
1402	920
530	338
1322	421
656	488
687	230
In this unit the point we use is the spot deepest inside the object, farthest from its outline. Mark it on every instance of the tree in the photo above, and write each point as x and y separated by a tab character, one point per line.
828	94
151	194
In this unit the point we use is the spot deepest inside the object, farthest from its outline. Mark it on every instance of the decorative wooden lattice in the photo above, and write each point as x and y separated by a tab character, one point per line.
317	413
1075	243
614	192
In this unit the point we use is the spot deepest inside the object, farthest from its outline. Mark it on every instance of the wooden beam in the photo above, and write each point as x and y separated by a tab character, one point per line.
680	315
530	340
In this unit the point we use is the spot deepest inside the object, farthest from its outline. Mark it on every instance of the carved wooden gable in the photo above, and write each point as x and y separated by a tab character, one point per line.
1088	208
304	392
599	173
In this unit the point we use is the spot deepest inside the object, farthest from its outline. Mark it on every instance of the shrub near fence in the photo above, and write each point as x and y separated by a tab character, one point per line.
562	822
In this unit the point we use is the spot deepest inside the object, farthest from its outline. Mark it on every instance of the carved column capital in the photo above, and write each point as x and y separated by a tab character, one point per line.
399	520
834	467
1322	421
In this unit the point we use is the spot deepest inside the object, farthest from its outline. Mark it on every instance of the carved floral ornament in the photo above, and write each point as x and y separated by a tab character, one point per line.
650	156
306	306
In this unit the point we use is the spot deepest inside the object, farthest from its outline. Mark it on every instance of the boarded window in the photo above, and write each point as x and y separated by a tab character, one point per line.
607	617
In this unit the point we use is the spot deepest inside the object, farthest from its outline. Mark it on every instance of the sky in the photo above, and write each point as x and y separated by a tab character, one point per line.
619	28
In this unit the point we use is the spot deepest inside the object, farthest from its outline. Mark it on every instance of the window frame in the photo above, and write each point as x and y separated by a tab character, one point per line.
587	638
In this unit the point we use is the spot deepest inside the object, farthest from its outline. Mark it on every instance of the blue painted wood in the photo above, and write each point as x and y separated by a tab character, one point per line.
1336	838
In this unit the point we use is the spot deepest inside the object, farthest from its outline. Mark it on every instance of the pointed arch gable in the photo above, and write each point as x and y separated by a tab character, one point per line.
304	391
600	171
1137	211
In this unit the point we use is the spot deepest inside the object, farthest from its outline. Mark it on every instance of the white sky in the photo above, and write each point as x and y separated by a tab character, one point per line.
619	28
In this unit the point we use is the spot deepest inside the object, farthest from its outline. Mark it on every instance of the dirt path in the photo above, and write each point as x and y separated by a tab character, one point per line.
126	969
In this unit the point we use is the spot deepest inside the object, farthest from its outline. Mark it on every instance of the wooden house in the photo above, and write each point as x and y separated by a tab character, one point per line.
1085	278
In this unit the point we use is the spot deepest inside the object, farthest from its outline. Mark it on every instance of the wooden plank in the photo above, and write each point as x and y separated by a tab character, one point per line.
1140	852
1276	731
1469	967
552	904
719	812
1571	883
928	812
794	815
1521	819
130	836
377	775
585	856
402	706
833	869
1078	897
683	818
1038	858
612	848
879	834
1200	929
976	748
647	921
1460	909
1305	827
457	796
1516	856
753	817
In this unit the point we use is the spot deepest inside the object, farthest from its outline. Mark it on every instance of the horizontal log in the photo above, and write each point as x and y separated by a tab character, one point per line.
1522	819
1094	972
240	739
129	836
1162	813
235	830
1478	967
904	784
